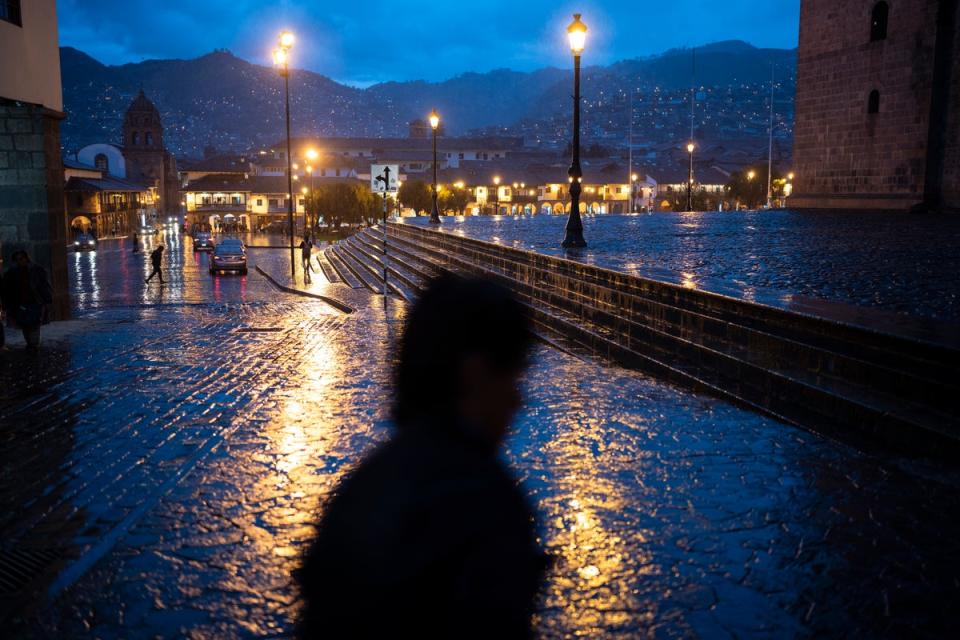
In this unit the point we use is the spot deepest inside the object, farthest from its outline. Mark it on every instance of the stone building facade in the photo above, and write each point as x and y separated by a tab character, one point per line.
877	117
147	161
31	171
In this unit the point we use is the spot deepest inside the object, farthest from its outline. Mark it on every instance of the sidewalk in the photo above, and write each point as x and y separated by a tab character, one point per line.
174	458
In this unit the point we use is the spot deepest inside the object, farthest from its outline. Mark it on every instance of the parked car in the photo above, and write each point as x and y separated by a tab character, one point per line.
202	241
229	255
84	242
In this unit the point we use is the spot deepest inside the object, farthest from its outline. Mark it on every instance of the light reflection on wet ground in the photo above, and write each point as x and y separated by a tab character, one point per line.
896	262
669	514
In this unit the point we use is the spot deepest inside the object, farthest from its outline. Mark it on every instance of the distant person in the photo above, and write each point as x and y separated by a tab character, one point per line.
136	242
156	257
306	253
26	295
430	536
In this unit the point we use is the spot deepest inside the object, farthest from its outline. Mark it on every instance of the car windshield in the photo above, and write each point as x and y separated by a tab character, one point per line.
230	246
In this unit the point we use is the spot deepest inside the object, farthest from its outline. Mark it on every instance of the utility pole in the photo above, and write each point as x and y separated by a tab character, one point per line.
385	179
770	145
630	152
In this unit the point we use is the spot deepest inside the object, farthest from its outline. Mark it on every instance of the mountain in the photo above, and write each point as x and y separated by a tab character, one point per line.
223	101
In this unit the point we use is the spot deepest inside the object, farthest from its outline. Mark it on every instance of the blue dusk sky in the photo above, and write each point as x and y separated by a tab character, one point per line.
369	41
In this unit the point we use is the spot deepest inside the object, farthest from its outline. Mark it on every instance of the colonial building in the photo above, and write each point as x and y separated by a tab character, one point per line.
31	174
148	162
878	105
246	203
105	204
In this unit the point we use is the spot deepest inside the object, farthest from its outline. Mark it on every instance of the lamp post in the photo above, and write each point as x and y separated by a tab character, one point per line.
434	124
633	192
573	237
496	195
690	148
281	58
311	158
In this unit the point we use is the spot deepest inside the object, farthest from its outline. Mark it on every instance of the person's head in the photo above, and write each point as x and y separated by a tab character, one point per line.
464	347
20	258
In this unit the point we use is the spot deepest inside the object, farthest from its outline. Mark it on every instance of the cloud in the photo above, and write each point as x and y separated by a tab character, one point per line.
365	42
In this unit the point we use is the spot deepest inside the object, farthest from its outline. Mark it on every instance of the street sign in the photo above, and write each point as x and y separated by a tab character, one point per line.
378	186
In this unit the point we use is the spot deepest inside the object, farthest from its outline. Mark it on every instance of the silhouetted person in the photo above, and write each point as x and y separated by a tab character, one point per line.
26	294
431	536
156	257
306	252
136	242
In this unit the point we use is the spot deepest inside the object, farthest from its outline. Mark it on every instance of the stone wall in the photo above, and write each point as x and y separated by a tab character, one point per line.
31	193
951	167
844	156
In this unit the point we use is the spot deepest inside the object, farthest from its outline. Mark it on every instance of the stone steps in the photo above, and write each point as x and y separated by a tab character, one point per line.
822	386
342	270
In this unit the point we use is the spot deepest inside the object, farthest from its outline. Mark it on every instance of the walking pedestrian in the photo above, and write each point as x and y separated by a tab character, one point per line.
136	242
156	256
430	536
306	253
26	294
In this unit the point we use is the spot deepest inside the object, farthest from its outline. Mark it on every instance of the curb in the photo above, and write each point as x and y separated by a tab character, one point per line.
336	304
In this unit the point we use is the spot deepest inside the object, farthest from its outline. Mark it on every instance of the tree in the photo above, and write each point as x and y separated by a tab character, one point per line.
751	192
454	199
345	203
415	194
701	200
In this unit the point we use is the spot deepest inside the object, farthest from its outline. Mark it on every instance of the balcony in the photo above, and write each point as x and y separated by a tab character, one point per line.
221	206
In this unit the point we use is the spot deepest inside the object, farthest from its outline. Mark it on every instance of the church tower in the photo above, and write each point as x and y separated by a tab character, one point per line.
148	162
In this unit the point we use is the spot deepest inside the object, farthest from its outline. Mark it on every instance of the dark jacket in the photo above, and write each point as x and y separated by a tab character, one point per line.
25	292
156	256
429	537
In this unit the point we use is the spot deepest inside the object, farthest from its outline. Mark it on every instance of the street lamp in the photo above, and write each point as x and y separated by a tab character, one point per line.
573	237
690	148
633	191
496	195
434	124
281	58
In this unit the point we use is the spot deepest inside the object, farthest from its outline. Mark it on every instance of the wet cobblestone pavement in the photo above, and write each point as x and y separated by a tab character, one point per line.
898	263
175	451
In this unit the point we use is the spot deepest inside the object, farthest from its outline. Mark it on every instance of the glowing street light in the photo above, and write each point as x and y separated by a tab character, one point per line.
573	236
690	148
496	195
434	124
281	58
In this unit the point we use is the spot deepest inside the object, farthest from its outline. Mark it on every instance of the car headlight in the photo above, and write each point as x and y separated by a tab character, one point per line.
90	243
76	243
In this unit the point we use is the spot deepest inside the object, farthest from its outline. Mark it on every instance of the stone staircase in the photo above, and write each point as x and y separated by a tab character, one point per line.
864	385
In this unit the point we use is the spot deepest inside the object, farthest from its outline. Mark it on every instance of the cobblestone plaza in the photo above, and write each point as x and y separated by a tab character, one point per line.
169	450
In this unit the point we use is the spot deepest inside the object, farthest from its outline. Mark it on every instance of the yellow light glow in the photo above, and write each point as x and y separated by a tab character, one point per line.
434	120
790	176
751	175
286	40
634	177
458	184
304	190
309	169
312	154
577	34
280	57
690	147
496	180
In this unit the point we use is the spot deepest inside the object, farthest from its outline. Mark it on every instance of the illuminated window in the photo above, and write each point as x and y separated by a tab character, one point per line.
878	21
10	12
873	102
